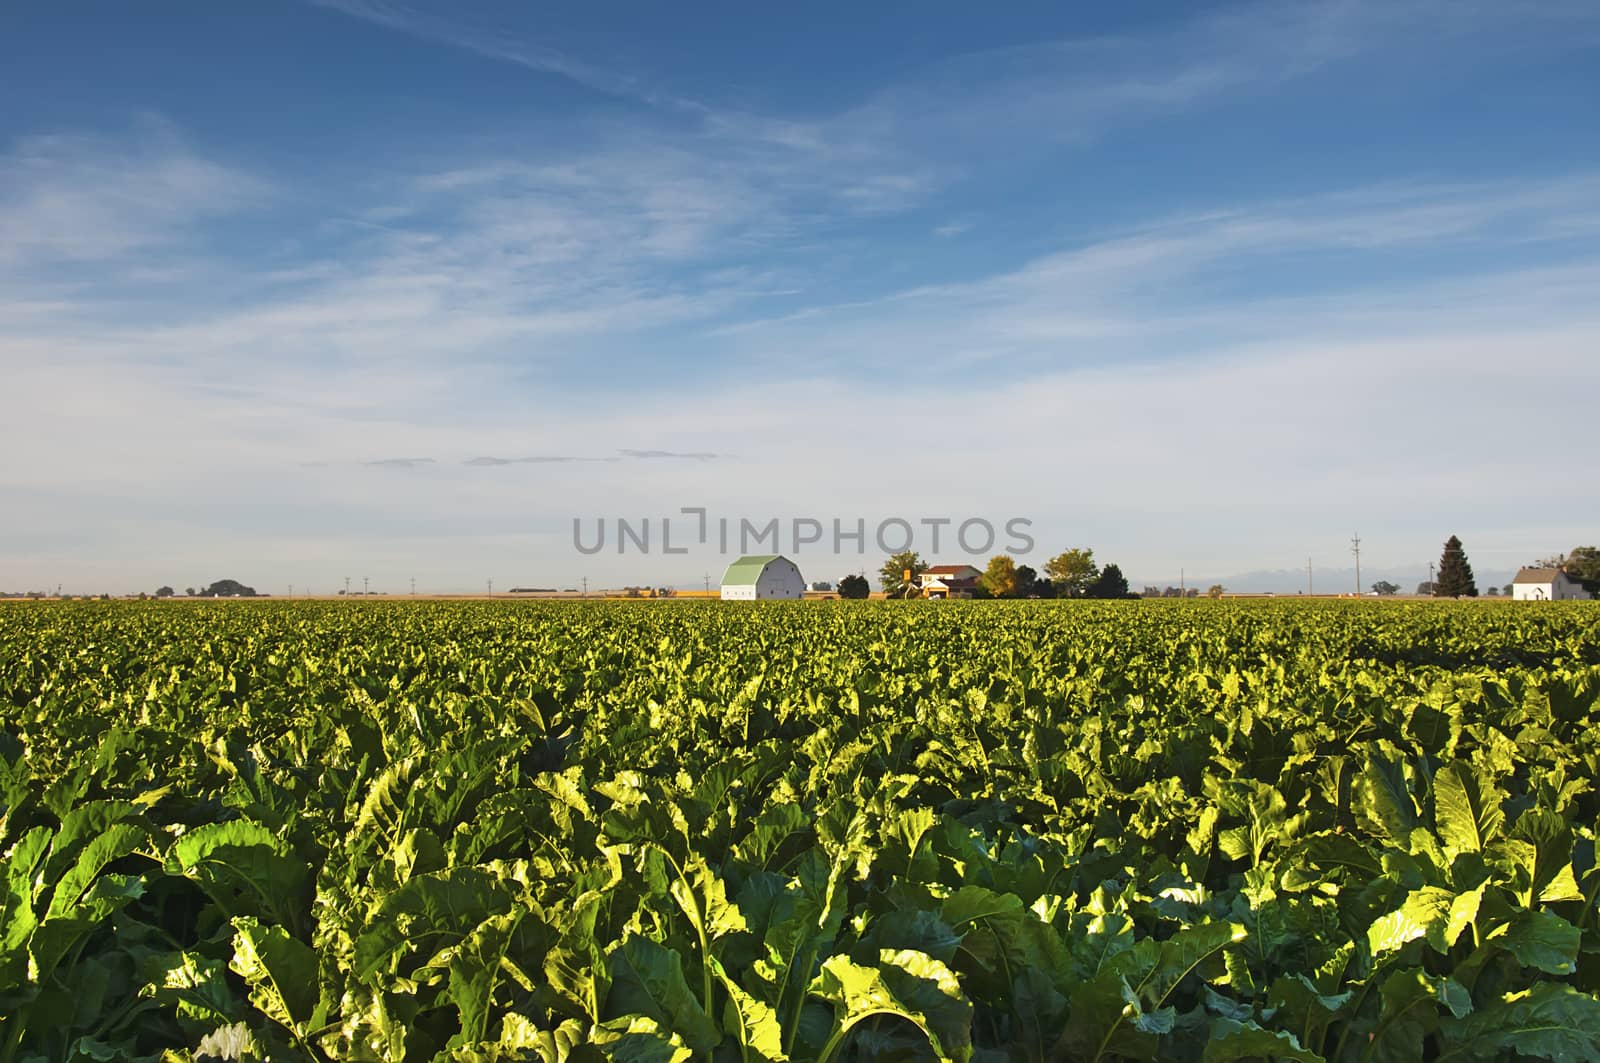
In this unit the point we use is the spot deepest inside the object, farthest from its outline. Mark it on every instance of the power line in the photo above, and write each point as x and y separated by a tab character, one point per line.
1355	548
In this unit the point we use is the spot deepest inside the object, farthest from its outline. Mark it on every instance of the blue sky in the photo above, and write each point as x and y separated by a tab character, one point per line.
1205	288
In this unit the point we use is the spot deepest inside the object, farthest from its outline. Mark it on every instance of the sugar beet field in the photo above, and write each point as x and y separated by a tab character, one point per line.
486	831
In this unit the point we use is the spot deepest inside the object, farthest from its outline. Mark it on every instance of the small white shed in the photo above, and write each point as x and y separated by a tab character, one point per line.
762	577
1546	585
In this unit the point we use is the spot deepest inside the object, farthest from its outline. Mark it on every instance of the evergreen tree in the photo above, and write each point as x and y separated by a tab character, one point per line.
1110	583
1455	574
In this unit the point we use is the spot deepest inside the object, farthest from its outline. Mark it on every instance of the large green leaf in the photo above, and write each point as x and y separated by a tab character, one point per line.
1231	1040
477	967
241	858
280	971
1425	913
638	1039
426	914
703	897
114	843
1467	808
193	985
1541	849
751	1022
907	985
1411	1001
1299	1005
796	921
1382	799
1542	940
647	979
1548	1021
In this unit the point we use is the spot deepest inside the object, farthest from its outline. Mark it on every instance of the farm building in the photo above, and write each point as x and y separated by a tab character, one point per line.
762	577
1546	585
949	581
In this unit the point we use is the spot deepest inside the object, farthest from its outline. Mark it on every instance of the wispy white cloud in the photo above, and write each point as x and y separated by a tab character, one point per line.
84	199
1181	286
1074	89
922	133
507	43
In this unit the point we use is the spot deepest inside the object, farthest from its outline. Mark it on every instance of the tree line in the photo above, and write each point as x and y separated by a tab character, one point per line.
1075	574
1070	574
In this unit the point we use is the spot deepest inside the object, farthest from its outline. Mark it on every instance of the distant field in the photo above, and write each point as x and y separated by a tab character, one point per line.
403	829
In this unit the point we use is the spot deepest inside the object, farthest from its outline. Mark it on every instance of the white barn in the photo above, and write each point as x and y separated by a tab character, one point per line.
1546	585
762	577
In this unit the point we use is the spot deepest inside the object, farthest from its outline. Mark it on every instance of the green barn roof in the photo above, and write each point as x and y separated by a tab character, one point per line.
747	569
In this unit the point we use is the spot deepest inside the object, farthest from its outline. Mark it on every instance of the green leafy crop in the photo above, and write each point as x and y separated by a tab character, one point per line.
816	832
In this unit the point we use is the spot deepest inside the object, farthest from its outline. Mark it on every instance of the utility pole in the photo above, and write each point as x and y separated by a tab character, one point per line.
347	586
1355	548
708	583
1310	586
364	591
413	585
586	586
490	584
1183	590
291	590
1430	577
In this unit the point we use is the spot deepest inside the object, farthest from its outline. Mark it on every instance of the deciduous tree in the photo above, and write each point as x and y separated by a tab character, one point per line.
892	576
1072	571
1583	563
1000	577
854	587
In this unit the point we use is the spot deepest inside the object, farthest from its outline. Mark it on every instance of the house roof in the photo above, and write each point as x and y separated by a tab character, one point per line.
1538	575
947	570
748	569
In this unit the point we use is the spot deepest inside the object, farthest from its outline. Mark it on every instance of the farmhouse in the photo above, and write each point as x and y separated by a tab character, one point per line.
949	581
762	577
1546	585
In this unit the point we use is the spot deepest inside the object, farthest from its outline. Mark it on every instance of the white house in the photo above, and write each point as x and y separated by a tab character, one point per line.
949	581
762	577
1546	585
